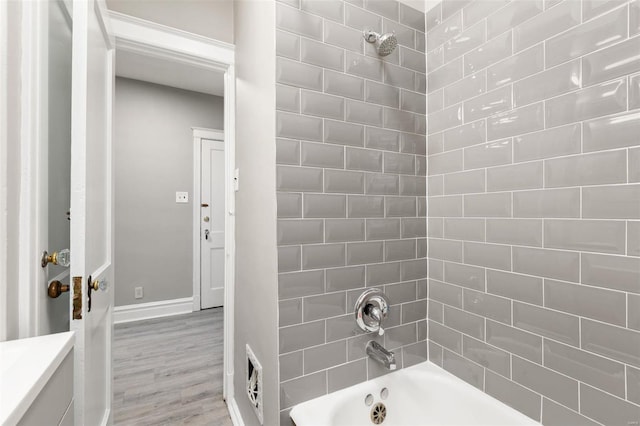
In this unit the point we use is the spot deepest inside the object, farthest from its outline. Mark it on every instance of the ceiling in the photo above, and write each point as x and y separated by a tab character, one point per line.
168	73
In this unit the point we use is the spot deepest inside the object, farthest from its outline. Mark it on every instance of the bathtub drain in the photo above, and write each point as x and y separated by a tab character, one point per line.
378	413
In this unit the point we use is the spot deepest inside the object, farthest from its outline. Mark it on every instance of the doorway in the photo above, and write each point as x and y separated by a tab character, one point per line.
167	348
170	64
92	174
208	218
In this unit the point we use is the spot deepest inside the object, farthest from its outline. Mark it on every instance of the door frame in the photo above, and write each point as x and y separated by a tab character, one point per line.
4	178
31	132
160	41
198	135
33	169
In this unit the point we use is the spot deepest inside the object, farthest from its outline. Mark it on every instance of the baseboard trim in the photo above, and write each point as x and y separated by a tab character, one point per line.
234	412
143	311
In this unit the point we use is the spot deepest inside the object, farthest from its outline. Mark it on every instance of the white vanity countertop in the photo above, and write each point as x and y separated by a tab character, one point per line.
26	365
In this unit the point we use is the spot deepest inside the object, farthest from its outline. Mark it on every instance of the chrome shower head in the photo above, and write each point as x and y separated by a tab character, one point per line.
385	43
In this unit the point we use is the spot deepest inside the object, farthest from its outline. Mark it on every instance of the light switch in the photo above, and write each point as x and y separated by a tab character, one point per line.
182	197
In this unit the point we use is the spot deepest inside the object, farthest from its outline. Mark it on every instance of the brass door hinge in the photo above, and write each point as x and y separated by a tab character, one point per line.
77	298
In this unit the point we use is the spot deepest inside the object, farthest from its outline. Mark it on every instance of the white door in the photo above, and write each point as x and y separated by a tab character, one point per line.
212	224
58	185
91	212
52	192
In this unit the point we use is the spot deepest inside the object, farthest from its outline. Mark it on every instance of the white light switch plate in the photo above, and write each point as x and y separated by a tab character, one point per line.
182	197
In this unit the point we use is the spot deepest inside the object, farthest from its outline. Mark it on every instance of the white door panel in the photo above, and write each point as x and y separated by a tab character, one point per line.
212	224
55	184
91	211
45	146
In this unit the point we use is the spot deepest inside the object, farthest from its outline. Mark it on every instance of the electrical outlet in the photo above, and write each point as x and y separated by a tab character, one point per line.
182	197
138	293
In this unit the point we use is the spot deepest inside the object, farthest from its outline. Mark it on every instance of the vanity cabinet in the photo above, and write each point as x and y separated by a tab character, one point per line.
54	403
36	381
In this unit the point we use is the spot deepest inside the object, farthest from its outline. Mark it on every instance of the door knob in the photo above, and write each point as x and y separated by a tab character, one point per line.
98	285
62	258
206	218
94	286
56	288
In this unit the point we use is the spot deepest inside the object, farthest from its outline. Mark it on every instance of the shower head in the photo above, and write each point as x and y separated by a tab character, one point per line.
385	43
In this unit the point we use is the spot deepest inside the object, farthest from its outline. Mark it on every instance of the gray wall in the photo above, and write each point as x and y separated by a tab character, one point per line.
534	202
153	158
351	190
209	18
256	256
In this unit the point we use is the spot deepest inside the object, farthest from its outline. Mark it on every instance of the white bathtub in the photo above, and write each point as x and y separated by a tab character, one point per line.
420	395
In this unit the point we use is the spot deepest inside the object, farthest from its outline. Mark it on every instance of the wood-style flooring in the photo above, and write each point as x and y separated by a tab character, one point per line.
168	371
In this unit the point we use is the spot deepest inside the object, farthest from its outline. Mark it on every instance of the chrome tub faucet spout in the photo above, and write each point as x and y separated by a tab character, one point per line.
376	351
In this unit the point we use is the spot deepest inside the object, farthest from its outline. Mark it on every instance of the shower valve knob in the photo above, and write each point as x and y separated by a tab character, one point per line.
376	314
371	308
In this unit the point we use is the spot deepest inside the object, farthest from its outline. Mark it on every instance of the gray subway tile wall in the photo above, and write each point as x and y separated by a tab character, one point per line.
533	204
532	169
352	166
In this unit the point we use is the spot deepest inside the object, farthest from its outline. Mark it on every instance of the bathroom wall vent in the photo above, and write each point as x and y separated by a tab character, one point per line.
254	383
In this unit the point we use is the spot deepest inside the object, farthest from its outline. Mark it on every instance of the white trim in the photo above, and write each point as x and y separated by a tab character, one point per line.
230	228
4	52
199	134
30	134
213	134
138	35
234	412
143	311
101	10
147	48
139	22
110	278
195	223
33	188
178	46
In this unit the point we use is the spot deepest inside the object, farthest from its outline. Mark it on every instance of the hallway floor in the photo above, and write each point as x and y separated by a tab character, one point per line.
168	371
